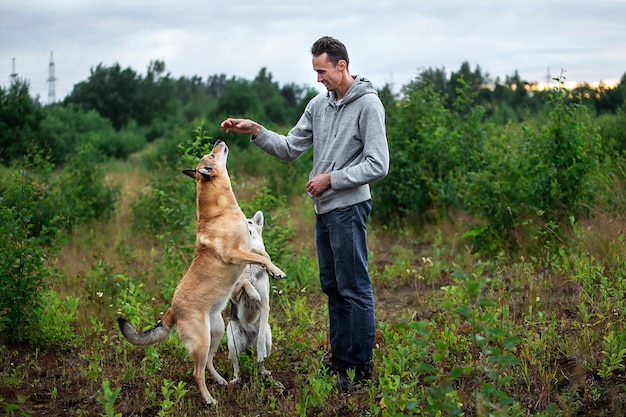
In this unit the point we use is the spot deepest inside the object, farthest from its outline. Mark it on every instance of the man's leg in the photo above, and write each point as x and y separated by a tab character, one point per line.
328	282
351	300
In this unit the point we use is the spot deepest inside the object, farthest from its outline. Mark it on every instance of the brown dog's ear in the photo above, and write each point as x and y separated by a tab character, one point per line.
206	172
190	173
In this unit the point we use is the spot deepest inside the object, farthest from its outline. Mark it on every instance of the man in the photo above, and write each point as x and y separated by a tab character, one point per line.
346	127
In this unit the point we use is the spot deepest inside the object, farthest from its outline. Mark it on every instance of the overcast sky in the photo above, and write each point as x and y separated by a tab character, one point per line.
389	41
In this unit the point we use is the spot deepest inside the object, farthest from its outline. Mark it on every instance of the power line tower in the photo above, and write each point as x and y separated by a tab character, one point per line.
548	80
13	75
51	80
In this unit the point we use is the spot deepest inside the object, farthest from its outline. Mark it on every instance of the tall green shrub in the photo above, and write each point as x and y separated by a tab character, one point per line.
429	146
534	171
65	128
76	194
82	192
28	187
573	146
23	262
20	121
36	204
416	117
613	131
168	204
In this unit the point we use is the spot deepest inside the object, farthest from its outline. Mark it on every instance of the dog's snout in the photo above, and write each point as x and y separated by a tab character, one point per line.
220	143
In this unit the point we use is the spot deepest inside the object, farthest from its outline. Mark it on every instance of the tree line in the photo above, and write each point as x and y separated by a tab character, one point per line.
121	109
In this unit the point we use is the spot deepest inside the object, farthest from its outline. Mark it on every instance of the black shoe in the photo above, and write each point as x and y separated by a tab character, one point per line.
343	381
362	375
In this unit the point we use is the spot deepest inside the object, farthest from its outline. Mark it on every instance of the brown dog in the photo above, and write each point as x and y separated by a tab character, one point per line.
222	251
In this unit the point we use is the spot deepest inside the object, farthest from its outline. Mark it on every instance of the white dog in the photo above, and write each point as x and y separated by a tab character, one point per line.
250	307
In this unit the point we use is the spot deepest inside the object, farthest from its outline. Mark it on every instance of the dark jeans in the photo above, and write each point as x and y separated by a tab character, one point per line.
341	239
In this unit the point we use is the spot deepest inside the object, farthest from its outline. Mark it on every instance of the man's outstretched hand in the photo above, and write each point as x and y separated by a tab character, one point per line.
243	126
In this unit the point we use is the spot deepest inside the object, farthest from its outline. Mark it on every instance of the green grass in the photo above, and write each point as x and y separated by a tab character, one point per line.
458	333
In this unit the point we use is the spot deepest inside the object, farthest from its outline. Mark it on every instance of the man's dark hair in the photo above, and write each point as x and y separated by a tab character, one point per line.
335	50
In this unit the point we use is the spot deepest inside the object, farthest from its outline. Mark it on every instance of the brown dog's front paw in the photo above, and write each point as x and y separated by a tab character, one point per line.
276	273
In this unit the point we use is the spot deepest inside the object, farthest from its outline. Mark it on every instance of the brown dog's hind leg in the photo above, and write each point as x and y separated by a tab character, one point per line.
196	338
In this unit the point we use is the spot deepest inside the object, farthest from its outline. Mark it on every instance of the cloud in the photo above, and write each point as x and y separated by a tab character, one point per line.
388	41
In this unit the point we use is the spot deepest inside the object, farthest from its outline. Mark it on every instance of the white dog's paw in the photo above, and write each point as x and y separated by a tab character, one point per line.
221	381
254	295
250	290
262	369
234	381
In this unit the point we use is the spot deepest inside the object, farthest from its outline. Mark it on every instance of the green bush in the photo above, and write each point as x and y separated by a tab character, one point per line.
429	147
120	144
66	128
20	121
529	173
28	187
23	269
277	230
82	193
76	194
37	204
613	132
54	320
168	203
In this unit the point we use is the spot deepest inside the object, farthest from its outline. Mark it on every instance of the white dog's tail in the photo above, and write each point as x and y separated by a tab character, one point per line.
156	334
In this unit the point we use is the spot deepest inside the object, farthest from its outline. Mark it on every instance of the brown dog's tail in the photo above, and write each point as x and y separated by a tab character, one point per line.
156	334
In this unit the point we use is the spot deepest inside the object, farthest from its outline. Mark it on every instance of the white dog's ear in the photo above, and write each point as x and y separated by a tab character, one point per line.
191	173
258	218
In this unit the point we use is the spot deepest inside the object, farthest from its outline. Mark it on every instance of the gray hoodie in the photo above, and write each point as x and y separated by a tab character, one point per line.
349	141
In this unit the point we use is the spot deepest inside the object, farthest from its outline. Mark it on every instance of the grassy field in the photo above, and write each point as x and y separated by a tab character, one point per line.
458	333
